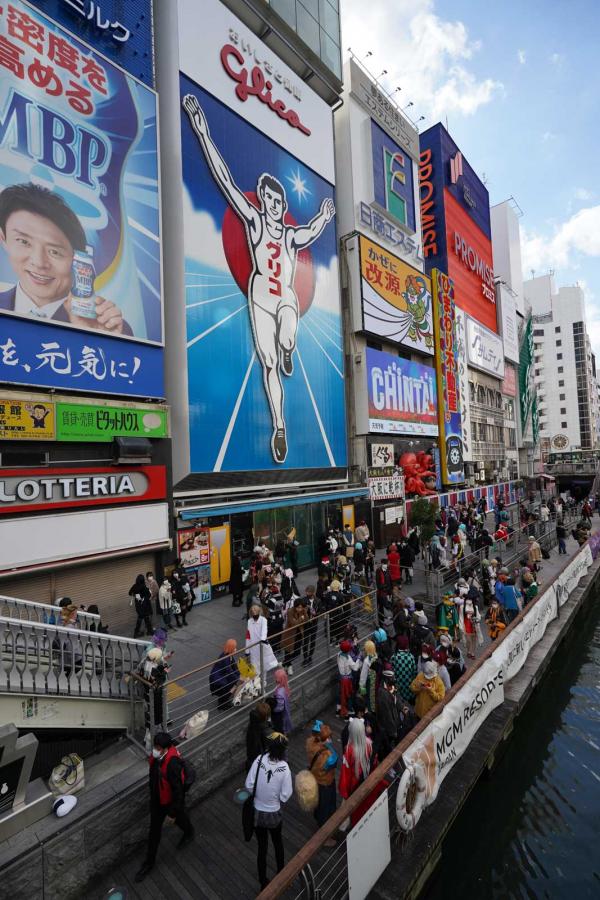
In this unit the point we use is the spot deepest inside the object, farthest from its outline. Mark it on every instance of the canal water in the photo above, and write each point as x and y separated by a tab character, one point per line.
532	829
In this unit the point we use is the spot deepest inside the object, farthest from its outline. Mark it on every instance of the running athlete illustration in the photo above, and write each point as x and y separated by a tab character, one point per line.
274	248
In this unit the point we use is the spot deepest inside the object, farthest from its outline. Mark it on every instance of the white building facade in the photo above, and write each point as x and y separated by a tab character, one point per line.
563	366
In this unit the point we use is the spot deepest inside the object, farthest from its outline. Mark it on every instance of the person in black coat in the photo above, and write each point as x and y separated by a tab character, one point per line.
407	558
236	581
388	717
224	676
257	733
140	593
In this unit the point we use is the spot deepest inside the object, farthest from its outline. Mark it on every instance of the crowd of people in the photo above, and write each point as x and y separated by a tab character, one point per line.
386	682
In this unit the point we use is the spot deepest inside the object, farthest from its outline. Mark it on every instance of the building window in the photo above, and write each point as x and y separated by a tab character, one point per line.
563	410
560	370
559	343
561	383
559	355
538	332
563	424
480	394
562	396
557	329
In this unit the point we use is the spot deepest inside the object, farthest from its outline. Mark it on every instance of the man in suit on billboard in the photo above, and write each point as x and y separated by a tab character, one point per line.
40	234
274	248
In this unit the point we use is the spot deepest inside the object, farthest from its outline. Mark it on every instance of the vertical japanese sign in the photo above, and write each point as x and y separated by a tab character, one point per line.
449	415
463	381
525	364
80	274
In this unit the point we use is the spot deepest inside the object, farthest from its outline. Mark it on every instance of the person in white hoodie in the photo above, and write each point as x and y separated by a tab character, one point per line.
271	780
165	602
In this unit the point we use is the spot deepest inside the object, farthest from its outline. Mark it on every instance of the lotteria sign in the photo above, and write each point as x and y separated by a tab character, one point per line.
24	490
402	395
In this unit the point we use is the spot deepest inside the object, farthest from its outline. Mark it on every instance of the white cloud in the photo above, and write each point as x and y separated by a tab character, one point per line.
203	241
548	137
557	59
327	290
583	194
522	57
426	55
579	235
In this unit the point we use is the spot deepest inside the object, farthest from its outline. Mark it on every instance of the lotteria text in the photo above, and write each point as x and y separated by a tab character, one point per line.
63	487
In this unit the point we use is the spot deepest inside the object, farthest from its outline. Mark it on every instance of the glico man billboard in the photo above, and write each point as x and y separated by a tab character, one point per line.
80	265
455	220
264	344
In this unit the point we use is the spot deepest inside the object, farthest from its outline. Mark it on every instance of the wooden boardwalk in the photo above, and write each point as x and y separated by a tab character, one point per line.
218	864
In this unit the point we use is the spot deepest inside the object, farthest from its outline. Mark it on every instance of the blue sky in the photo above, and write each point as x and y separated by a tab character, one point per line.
518	85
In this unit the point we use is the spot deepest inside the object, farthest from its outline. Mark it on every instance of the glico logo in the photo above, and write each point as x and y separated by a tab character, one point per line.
426	189
53	141
253	83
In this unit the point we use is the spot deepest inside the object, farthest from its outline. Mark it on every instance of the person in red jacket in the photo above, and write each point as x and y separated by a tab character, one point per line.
167	798
393	558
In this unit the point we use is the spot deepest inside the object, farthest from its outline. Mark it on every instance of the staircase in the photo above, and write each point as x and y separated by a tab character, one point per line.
54	677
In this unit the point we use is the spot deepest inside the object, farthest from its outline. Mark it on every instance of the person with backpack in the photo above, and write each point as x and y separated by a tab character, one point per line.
170	777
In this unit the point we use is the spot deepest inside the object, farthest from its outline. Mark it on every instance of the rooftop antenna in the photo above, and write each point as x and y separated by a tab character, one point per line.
383	72
408	106
532	273
484	178
420	119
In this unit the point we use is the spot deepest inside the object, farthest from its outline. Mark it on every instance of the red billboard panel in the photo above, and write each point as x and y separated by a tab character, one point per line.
470	264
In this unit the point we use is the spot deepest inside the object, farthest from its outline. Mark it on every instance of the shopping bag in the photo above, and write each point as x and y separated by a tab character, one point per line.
68	776
195	725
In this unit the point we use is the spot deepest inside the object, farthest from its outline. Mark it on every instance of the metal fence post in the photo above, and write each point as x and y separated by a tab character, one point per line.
328	634
263	674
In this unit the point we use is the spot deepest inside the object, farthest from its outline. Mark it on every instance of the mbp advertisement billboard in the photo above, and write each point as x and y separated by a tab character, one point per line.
396	299
120	29
455	219
80	268
264	339
448	384
402	395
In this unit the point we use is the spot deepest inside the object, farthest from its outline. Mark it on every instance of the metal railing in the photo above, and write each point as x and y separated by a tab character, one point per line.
38	658
510	551
32	611
316	640
328	880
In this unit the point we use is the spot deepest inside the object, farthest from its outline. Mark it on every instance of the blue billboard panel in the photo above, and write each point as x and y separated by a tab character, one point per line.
79	193
393	182
402	395
45	355
264	337
120	29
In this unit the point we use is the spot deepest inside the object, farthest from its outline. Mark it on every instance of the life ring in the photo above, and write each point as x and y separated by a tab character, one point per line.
411	792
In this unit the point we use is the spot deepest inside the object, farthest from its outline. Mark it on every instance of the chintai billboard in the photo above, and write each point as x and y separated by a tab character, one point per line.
80	263
264	338
402	395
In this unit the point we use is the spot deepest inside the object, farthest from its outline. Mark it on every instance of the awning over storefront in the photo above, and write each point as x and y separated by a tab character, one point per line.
547	477
229	509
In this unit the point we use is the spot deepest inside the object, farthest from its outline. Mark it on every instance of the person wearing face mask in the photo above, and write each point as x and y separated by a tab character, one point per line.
167	798
383	581
165	602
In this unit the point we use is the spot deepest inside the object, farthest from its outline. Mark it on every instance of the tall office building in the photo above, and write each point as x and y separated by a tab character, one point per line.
564	366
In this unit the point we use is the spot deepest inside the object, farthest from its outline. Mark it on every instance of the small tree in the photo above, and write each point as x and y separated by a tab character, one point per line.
422	515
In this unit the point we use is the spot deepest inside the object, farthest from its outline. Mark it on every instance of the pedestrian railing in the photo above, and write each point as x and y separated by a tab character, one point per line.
318	639
39	658
31	611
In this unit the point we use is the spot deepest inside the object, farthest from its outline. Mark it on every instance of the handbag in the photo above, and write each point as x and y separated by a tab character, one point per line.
195	725
248	808
68	776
